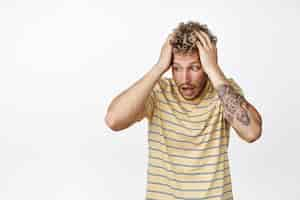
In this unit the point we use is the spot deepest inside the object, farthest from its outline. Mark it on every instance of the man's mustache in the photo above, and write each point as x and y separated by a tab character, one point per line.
187	86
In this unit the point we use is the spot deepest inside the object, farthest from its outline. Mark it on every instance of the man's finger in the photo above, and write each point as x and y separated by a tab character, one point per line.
201	38
199	45
170	35
207	39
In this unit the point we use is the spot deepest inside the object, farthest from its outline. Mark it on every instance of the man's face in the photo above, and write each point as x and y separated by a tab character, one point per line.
188	75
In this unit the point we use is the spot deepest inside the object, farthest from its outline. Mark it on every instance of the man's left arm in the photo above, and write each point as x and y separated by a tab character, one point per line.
242	116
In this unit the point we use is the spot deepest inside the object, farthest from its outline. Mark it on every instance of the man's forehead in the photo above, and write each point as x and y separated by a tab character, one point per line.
186	59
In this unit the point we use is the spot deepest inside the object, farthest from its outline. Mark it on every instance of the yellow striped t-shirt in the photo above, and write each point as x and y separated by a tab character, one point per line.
188	144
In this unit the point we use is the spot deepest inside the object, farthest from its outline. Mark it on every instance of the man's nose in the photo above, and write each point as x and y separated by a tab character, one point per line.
186	76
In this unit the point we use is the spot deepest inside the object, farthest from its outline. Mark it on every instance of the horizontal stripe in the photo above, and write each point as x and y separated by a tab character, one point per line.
168	102
193	158
180	181
180	133
230	198
202	128
166	91
186	149
192	121
175	110
184	198
172	114
196	122
212	100
184	141
185	173
189	190
183	165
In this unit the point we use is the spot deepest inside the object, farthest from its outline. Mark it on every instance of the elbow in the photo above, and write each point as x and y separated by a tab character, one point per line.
110	122
252	139
255	135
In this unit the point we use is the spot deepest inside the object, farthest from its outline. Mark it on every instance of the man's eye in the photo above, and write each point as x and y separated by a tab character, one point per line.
195	68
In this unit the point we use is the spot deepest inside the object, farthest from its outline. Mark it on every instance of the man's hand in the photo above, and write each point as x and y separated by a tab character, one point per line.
207	51
164	61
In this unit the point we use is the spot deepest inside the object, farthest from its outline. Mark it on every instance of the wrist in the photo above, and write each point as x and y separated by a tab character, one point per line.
216	76
160	68
212	69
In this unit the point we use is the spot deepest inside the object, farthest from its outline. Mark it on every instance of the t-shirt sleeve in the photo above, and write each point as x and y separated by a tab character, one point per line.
236	87
149	105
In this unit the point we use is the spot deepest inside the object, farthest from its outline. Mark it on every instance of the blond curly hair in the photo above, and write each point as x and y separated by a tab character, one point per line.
184	41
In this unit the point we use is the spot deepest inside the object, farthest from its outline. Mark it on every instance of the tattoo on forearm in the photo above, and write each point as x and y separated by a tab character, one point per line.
235	106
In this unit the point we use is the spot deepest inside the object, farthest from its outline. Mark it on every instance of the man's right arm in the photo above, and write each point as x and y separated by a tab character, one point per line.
129	106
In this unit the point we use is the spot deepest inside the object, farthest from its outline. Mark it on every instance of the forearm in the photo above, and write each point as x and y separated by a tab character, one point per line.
125	107
243	117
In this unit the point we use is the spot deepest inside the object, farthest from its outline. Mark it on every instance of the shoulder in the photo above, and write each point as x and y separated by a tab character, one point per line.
163	84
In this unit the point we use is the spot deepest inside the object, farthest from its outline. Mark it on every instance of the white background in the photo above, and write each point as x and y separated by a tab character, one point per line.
62	62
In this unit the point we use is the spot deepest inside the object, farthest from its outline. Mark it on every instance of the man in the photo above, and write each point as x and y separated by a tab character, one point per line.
189	117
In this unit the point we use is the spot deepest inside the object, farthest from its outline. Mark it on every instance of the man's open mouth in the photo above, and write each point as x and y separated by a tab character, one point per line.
188	91
187	88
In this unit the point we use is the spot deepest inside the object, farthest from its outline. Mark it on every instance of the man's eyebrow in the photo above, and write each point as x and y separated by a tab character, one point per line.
197	62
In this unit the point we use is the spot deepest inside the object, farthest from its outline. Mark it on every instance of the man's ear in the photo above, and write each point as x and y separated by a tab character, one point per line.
172	59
